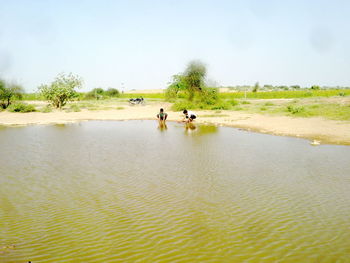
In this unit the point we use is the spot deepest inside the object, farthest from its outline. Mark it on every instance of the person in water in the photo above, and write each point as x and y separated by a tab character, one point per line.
162	116
189	116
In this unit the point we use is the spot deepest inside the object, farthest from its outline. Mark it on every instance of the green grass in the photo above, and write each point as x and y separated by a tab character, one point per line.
32	96
331	111
328	110
214	115
180	105
285	94
143	95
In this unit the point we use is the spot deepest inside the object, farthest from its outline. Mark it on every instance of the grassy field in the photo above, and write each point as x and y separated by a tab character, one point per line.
230	95
330	104
288	94
334	109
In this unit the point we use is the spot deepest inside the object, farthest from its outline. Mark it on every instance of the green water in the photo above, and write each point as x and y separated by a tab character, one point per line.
130	192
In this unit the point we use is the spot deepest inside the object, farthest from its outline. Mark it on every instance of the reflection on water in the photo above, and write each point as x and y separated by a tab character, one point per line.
123	192
162	126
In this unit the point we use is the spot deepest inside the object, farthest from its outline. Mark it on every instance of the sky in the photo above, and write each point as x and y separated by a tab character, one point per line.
134	44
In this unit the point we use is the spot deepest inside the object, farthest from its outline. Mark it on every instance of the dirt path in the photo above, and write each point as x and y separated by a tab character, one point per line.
326	131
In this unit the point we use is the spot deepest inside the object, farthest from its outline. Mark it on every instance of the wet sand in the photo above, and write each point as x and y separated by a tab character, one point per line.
325	131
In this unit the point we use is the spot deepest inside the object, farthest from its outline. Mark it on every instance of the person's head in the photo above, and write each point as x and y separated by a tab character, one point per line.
161	110
185	112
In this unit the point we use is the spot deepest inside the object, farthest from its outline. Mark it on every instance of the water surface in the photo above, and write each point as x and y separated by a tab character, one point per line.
129	192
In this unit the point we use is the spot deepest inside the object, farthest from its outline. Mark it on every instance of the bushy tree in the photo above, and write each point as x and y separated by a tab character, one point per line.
315	87
61	90
8	92
194	78
256	87
175	87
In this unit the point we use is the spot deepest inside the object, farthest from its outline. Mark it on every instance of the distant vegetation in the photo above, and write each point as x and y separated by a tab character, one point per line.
187	90
99	93
286	94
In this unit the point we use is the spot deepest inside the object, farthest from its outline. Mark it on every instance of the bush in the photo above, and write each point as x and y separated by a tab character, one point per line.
112	92
21	107
234	102
95	94
8	92
46	109
342	94
208	96
295	109
181	105
256	87
74	108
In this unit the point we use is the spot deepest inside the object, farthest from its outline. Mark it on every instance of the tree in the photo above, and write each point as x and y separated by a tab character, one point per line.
256	87
8	92
61	90
175	87
194	78
315	87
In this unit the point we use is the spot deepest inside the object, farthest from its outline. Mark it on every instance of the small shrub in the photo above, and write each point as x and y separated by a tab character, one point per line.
181	105
295	109
96	94
342	94
269	104
21	107
245	102
263	108
208	96
120	108
112	92
233	102
220	106
46	109
73	108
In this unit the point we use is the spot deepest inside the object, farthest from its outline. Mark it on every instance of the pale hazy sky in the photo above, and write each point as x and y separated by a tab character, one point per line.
143	43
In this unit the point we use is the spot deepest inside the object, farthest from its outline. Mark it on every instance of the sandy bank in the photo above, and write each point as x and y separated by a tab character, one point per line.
326	131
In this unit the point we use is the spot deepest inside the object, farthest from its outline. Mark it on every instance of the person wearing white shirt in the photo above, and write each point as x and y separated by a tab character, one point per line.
189	116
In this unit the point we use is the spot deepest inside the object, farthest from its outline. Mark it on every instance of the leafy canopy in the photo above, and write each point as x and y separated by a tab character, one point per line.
61	90
194	77
8	92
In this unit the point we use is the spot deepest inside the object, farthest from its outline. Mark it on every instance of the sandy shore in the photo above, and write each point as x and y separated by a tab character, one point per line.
325	131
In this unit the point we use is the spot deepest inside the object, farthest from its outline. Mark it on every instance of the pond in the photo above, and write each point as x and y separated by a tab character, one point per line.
128	191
